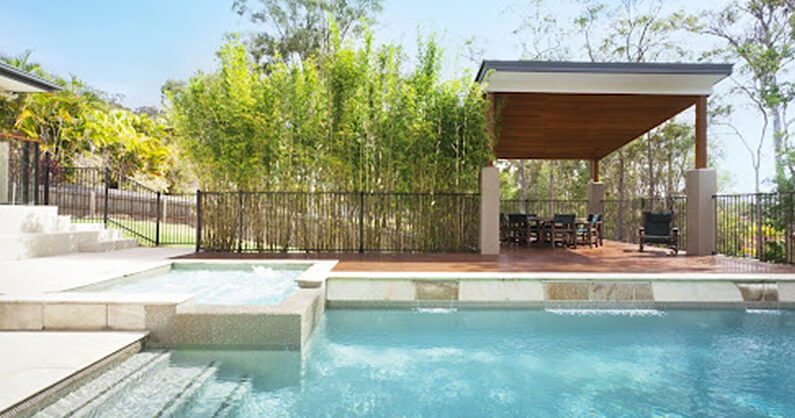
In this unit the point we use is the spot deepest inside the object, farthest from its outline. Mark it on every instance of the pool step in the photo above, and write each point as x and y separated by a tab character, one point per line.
161	394
110	383
218	399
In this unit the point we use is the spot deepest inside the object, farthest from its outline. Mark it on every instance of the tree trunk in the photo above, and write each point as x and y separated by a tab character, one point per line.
779	147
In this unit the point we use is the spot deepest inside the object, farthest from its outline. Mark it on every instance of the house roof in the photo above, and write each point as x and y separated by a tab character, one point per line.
584	110
601	77
14	80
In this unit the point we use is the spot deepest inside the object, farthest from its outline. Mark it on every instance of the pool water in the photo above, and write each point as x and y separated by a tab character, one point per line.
523	363
214	284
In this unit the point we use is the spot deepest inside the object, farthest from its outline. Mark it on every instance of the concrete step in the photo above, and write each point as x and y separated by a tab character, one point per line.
64	223
24	246
108	385
28	219
108	245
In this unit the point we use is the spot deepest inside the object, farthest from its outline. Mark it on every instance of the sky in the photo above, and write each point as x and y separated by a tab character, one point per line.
130	48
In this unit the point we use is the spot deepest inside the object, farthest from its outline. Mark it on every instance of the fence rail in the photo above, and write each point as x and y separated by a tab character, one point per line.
337	222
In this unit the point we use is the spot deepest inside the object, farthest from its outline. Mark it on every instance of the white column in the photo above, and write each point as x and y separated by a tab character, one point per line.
4	155
489	210
596	196
702	184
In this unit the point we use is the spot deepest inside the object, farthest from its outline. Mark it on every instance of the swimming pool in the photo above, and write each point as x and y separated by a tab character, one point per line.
501	363
214	284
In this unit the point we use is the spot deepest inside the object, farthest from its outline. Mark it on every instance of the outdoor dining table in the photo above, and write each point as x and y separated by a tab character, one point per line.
545	230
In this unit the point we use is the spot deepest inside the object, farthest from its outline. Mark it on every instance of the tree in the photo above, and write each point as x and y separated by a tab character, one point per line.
761	34
297	29
352	119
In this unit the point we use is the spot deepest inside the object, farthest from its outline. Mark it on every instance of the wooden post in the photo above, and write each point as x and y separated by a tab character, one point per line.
701	132
595	170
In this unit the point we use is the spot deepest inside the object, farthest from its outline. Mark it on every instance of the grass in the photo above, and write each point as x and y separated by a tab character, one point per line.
171	234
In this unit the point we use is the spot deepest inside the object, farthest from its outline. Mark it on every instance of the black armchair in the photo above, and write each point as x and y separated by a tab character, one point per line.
657	229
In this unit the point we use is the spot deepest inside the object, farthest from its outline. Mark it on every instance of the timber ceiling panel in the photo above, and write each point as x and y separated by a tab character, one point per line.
577	126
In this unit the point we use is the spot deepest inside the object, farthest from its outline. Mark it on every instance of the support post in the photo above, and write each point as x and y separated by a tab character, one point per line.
490	210
596	190
701	132
596	197
595	170
702	185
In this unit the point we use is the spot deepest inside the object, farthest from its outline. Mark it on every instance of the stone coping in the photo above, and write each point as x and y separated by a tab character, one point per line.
568	276
312	277
536	293
100	298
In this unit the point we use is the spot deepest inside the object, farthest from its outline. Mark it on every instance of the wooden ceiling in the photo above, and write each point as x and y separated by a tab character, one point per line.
577	126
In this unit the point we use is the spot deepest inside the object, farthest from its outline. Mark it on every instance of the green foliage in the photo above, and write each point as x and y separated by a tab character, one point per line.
79	124
288	28
653	165
760	36
349	120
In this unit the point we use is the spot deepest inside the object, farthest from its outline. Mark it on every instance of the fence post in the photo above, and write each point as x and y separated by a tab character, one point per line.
107	193
47	178
239	221
715	208
36	173
361	221
25	173
198	220
789	232
759	235
157	221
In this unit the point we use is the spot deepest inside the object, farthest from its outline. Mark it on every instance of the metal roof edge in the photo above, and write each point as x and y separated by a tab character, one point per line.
24	77
602	67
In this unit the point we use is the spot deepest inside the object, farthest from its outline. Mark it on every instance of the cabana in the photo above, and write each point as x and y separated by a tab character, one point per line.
585	111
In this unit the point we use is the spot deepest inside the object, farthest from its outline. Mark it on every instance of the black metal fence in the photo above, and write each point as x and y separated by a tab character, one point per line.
96	195
622	218
23	173
337	222
756	226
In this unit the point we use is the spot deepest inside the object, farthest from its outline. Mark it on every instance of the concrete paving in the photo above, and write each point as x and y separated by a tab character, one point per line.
62	272
34	361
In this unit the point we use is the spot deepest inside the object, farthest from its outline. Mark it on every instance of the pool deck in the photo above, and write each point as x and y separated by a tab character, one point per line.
30	365
613	257
56	273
